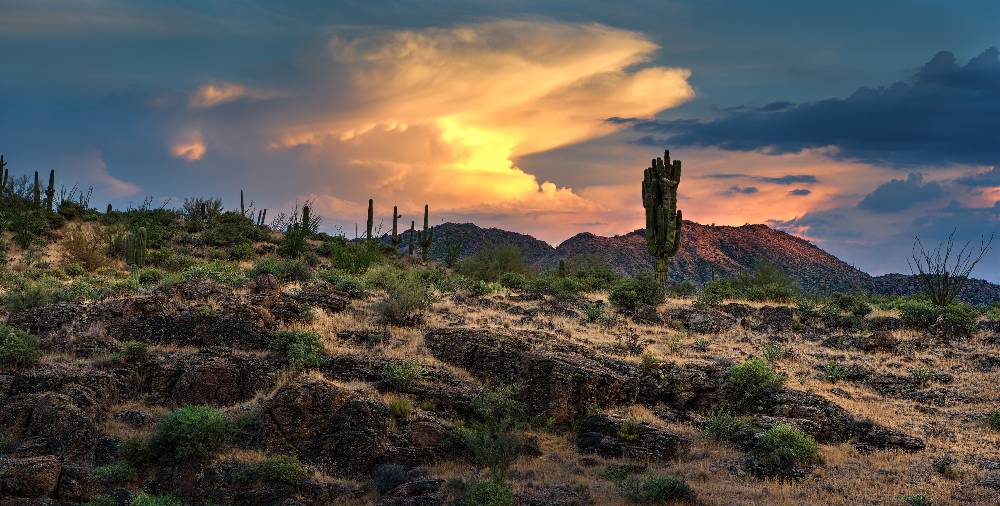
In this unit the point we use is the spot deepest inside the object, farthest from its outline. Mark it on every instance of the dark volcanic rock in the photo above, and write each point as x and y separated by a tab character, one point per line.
28	477
612	436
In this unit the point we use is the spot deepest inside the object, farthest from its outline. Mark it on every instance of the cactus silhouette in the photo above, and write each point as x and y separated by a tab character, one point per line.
37	192
371	219
426	236
50	192
663	219
395	237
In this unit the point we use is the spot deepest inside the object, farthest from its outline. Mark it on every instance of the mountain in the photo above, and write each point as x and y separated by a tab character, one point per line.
707	252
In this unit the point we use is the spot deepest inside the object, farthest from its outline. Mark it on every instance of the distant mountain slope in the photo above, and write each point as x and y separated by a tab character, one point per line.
707	251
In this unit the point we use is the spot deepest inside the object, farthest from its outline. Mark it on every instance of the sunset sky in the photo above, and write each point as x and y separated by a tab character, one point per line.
852	125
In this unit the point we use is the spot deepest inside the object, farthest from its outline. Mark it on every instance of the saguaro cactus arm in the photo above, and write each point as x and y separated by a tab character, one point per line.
663	220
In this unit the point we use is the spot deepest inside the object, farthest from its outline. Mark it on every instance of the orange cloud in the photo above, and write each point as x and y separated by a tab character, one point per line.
438	115
189	146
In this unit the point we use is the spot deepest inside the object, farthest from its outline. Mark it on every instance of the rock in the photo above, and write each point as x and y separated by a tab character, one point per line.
702	321
265	282
774	319
884	323
612	436
647	315
555	495
29	477
49	424
420	492
344	432
136	417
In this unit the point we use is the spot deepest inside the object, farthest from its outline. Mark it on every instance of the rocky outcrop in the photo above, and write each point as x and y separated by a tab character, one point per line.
612	436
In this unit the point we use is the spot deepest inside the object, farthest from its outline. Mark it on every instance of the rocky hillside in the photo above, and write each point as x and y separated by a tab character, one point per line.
975	291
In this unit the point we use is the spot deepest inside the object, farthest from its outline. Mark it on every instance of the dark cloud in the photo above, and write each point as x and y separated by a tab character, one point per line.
947	113
744	190
800	192
983	179
899	194
782	180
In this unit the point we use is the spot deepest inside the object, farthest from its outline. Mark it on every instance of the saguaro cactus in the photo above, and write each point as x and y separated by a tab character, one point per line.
135	247
371	219
663	219
413	226
395	238
243	210
3	172
50	192
37	192
426	236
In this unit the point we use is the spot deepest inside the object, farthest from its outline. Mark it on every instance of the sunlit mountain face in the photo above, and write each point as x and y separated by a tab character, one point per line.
828	122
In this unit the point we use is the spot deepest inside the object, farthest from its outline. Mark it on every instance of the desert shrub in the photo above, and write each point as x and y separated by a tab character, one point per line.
957	319
558	287
143	499
595	313
682	290
766	282
25	293
993	419
400	407
136	451
403	373
387	477
630	294
713	293
918	499
161	224
752	380
283	269
115	472
193	432
490	492
491	261
151	276
220	272
18	348
352	257
833	371
850	303
726	428
917	313
302	349
628	431
132	351
241	251
354	286
783	447
404	302
85	247
493	436
480	288
921	376
772	352
591	271
281	468
232	228
28	227
514	280
295	243
649	488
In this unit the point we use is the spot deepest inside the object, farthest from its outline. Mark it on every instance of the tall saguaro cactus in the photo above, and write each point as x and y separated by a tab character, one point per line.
135	253
3	172
371	219
413	225
50	192
37	192
426	236
663	219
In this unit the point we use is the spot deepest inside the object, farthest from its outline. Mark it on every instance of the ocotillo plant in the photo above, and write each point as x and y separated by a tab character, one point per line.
426	236
663	219
395	238
371	219
413	232
50	192
37	192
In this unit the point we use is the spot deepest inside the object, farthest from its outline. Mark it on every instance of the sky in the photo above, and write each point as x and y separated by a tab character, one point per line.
855	126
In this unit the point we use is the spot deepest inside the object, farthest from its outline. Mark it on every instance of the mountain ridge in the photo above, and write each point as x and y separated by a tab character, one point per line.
707	252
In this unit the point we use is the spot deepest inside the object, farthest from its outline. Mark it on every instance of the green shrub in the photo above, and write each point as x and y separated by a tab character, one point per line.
115	472
404	373
663	489
628	431
765	283
917	313
752	380
833	371
630	294
143	499
220	272
921	376
353	286
231	229
726	428
18	348
682	290
400	407
151	276
591	271
491	261
193	432
283	269
514	280
918	499
280	468
491	492
782	447
595	313
302	348
132	351
404	302
559	287
136	451
241	251
772	352
27	293
352	257
493	436
849	303
957	320
993	419
480	288
714	293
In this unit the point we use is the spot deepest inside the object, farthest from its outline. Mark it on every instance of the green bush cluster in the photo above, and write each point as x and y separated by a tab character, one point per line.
193	432
514	280
849	303
726	428
630	294
218	271
649	488
302	349
18	348
352	257
285	269
491	261
144	499
354	286
956	319
404	373
489	492
281	468
494	434
115	472
405	300
783	447
766	282
753	380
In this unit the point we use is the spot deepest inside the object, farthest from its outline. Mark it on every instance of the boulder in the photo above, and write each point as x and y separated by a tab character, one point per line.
29	477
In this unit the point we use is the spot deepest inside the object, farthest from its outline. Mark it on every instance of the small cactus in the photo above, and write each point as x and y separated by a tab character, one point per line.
50	192
371	219
135	247
562	268
413	232
395	218
426	236
37	192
